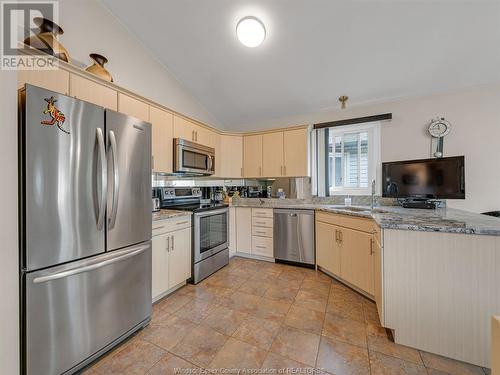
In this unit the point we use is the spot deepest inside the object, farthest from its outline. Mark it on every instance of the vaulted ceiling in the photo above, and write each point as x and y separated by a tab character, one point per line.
316	50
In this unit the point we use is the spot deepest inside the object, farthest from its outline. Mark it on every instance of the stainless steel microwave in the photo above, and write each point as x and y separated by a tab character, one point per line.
193	158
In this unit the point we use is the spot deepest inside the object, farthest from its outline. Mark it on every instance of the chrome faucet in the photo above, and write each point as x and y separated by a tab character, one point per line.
373	194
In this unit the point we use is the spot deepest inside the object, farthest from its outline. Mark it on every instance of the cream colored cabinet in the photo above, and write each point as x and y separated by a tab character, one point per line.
230	156
262	232
356	258
232	230
252	156
244	230
179	262
54	80
160	266
162	140
171	255
328	247
133	107
188	130
272	154
295	153
93	92
377	279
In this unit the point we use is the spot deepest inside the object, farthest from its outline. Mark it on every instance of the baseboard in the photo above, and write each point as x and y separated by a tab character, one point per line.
252	256
168	292
347	284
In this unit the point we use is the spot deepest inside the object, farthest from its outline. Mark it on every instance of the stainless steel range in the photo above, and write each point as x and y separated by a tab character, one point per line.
210	228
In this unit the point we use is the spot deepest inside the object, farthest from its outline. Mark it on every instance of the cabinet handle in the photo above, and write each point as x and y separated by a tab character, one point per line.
182	222
341	236
161	227
259	232
371	246
260	247
196	136
336	235
172	242
168	243
192	135
284	170
152	162
241	171
260	171
260	222
281	170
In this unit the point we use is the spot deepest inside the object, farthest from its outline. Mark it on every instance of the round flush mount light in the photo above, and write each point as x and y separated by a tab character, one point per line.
251	31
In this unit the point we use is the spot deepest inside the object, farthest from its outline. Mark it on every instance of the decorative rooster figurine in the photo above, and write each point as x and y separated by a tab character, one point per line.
57	117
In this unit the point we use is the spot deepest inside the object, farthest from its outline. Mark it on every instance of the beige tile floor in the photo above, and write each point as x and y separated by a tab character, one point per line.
260	315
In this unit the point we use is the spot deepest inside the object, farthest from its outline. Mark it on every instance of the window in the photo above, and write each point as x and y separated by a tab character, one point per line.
349	160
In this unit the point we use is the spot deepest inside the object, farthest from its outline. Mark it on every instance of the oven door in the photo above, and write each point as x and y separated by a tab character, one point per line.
191	158
211	233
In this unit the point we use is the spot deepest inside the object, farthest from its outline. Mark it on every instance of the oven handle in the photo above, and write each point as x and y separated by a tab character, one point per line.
211	212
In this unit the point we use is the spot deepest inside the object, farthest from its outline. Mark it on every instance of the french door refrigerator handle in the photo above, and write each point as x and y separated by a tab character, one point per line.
73	271
104	179
116	179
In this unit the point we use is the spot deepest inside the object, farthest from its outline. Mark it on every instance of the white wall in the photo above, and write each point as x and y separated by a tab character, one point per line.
9	284
90	27
475	117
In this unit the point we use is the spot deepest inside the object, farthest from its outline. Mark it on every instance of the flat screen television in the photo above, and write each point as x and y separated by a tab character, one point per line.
442	178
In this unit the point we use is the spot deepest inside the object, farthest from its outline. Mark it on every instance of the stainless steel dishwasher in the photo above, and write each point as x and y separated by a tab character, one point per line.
294	236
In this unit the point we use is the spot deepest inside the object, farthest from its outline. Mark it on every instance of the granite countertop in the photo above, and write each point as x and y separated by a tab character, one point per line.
447	220
168	214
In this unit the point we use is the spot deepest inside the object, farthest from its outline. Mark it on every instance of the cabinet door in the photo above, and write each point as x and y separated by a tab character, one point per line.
93	92
295	151
252	156
231	156
232	230
204	136
272	154
244	230
160	265
327	248
377	279
179	257
162	139
54	80
133	107
184	129
356	259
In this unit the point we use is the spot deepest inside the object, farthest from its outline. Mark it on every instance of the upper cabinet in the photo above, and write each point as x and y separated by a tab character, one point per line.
188	130
133	107
162	139
272	154
230	156
252	156
295	153
276	154
54	80
93	92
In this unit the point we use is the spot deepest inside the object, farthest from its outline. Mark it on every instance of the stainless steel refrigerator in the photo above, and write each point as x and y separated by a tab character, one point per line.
85	230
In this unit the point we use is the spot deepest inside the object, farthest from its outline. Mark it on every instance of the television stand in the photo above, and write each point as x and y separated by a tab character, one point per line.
420	203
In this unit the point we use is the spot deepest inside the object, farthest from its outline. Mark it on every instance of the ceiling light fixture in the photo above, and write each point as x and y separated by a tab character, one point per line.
251	31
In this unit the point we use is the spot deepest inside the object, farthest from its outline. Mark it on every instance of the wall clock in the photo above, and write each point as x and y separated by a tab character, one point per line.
438	129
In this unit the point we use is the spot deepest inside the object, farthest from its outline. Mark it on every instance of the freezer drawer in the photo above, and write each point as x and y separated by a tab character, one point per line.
74	311
294	235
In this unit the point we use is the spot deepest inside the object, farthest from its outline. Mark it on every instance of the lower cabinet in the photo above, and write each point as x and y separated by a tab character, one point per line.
171	258
347	247
356	259
327	247
244	230
377	279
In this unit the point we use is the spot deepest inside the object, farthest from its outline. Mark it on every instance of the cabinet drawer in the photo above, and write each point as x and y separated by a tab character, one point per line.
262	232
170	225
262	246
262	212
265	222
357	223
329	218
